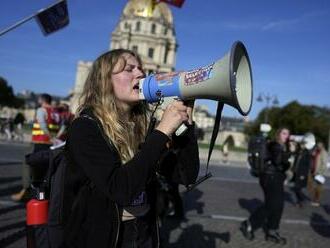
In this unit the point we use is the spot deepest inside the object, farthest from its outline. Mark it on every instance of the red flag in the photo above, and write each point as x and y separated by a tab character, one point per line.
176	3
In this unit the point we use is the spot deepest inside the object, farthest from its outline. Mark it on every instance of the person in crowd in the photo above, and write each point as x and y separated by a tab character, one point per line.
301	168
317	172
18	122
44	130
9	128
225	152
115	161
272	184
66	118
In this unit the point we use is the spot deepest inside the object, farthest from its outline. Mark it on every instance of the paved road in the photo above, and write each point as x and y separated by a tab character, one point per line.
214	210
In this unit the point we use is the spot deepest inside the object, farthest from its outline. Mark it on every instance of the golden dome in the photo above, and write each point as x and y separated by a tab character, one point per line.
143	8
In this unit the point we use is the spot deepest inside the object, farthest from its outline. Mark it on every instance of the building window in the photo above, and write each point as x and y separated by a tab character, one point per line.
153	28
126	25
138	26
135	49
151	53
165	31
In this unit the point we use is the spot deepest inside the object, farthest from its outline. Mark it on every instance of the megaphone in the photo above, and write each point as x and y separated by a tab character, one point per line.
228	80
308	139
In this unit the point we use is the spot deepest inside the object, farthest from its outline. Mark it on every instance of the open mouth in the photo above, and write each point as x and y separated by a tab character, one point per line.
136	86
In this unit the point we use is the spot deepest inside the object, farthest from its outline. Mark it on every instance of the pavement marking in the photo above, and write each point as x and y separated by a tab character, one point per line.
9	160
9	186
240	219
9	203
325	187
233	180
26	144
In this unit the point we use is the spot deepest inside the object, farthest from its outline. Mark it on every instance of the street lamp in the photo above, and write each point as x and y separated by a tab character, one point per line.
268	98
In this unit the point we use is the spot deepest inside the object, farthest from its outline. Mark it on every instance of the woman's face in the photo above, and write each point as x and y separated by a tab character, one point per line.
126	82
283	136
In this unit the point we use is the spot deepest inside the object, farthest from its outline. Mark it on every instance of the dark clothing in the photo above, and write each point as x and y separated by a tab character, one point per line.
300	197
176	200
40	147
271	183
135	233
278	158
272	209
302	165
104	185
38	173
301	168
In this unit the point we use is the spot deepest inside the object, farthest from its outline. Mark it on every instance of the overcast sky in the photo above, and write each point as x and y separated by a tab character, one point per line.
288	43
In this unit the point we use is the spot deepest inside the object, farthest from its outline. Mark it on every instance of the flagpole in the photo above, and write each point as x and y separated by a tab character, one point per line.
19	23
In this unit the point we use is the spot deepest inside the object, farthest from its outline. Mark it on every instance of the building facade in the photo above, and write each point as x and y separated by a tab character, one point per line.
145	28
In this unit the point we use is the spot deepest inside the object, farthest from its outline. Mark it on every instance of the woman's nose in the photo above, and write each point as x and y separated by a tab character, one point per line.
139	73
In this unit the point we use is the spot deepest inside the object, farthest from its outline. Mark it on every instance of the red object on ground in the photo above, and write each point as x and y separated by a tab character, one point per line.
177	3
36	212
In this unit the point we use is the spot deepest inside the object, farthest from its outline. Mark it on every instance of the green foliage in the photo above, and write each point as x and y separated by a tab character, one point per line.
7	97
299	118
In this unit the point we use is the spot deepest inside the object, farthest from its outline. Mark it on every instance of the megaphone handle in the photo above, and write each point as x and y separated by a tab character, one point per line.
181	130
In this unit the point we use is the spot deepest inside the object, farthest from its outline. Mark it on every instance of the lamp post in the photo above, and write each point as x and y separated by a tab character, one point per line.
268	98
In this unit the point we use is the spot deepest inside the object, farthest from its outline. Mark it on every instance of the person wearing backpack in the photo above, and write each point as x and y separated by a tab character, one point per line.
272	184
114	164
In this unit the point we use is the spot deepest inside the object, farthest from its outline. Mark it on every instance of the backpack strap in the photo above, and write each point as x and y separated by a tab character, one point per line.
53	152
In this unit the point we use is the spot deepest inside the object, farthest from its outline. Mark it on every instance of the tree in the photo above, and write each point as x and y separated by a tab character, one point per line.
299	118
7	97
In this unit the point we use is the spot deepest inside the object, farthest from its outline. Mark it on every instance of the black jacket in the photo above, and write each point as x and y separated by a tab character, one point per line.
278	158
103	184
302	165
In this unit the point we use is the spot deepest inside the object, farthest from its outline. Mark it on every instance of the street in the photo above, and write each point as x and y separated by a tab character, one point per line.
214	210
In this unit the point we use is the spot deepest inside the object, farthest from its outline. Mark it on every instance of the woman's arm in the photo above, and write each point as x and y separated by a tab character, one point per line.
122	183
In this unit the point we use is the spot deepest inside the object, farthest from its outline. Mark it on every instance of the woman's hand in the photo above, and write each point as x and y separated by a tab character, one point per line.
190	107
174	115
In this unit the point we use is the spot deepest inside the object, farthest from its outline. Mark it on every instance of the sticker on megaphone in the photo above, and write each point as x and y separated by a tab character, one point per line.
172	84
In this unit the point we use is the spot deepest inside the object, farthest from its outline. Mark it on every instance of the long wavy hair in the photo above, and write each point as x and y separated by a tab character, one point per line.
98	95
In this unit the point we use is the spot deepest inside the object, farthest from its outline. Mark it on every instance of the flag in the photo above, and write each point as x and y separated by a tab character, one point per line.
53	18
176	3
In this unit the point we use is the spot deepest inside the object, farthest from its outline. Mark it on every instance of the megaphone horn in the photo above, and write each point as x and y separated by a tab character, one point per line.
228	80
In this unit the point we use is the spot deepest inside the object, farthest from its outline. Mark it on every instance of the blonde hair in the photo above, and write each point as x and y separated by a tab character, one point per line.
98	95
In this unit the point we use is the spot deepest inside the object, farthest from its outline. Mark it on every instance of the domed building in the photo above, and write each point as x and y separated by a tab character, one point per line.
145	28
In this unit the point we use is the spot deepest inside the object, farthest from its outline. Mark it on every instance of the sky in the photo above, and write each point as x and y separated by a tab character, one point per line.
288	44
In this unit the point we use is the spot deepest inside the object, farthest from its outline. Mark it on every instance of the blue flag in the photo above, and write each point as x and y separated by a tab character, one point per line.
53	18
